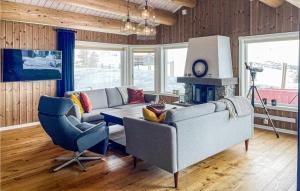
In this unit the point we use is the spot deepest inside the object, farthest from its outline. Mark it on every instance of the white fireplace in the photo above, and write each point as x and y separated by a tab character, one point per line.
219	81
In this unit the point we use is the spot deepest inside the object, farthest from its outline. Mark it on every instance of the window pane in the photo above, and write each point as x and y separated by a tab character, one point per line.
175	64
96	69
143	70
279	60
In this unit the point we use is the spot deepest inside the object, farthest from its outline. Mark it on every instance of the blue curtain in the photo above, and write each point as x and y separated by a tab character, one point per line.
66	44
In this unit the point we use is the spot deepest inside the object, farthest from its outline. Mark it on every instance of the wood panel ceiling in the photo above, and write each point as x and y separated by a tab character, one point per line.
104	11
166	5
97	15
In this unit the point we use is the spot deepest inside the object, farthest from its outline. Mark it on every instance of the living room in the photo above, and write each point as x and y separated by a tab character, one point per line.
162	95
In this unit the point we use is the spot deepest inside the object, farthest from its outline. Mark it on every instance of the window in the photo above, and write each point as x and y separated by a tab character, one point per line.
279	58
96	68
143	70
174	67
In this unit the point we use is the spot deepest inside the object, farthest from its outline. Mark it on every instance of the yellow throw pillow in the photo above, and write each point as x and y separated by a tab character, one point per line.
151	116
76	101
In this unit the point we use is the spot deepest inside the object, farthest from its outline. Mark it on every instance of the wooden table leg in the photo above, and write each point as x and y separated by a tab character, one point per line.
176	179
246	144
134	161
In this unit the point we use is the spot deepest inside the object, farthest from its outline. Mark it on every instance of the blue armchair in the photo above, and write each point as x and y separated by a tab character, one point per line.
69	133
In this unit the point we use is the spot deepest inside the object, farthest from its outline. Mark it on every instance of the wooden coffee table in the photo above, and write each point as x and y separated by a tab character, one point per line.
116	117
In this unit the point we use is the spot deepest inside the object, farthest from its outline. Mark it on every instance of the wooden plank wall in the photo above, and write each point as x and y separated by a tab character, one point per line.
133	40
278	123
19	100
101	37
234	18
266	20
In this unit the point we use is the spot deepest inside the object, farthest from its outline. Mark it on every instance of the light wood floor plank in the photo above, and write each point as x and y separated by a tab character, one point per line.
27	158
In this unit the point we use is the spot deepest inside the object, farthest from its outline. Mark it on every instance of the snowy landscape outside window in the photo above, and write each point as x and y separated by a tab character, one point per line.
96	69
143	70
280	62
174	67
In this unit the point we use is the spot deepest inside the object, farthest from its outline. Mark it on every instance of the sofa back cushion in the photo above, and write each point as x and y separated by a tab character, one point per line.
98	98
114	97
135	96
174	115
86	102
76	100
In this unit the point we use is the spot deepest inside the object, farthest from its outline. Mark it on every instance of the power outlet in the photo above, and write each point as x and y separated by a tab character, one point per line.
266	121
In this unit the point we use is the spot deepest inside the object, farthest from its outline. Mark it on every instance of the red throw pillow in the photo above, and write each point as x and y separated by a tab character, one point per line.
86	103
135	96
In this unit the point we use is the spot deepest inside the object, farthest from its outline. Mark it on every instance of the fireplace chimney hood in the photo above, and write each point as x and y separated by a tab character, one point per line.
215	50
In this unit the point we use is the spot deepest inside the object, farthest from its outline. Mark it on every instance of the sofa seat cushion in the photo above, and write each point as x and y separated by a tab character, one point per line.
129	106
94	115
174	115
114	97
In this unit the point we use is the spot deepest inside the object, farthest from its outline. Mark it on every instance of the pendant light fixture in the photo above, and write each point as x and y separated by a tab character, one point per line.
147	12
128	27
146	31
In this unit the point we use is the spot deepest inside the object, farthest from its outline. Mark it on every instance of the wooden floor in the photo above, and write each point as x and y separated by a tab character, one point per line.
27	156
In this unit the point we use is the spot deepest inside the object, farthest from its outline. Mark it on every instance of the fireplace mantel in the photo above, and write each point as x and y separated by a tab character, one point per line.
208	81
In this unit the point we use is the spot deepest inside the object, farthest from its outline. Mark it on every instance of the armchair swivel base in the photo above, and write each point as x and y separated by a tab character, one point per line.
76	158
69	133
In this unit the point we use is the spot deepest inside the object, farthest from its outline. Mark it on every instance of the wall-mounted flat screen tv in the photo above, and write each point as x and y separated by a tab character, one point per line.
29	65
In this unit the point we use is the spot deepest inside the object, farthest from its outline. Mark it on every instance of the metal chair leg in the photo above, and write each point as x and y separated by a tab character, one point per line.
80	165
76	158
64	165
63	158
89	158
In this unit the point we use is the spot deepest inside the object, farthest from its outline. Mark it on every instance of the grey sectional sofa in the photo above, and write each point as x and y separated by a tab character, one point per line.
104	100
189	135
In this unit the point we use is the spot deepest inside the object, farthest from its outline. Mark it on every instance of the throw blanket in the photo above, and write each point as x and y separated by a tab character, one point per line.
237	106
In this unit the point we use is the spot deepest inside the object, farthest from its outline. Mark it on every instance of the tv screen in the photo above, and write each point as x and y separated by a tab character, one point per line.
29	65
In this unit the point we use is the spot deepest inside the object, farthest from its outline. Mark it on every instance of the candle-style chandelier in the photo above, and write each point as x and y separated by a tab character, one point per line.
128	26
145	30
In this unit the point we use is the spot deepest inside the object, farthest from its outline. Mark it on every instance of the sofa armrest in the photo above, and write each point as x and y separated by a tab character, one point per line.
153	142
75	111
151	98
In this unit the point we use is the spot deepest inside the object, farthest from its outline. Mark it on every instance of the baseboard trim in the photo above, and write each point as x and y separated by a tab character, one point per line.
278	129
7	128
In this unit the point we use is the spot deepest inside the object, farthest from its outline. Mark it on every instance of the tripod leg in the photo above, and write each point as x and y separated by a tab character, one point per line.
275	130
249	91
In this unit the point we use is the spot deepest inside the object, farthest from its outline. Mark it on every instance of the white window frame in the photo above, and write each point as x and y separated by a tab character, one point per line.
157	65
126	59
244	74
106	46
164	61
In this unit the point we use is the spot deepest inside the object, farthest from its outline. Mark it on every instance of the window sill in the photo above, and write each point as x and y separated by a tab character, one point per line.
279	107
168	94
